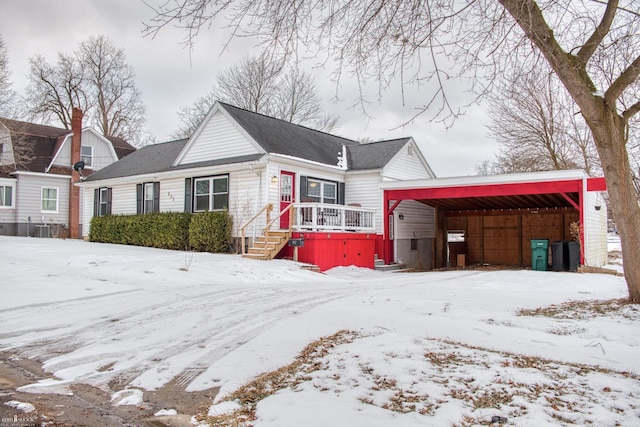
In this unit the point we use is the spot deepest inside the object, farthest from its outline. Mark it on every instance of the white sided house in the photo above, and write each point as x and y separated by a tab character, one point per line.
319	192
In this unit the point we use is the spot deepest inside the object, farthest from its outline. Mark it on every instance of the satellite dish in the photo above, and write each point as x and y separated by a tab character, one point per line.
78	166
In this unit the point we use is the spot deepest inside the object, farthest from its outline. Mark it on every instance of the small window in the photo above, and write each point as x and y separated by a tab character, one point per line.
86	155
148	197
49	200
6	196
414	244
102	202
211	194
322	191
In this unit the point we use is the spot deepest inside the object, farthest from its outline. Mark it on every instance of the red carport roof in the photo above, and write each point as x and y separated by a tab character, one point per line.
539	190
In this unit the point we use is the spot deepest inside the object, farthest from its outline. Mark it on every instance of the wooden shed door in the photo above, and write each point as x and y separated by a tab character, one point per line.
287	192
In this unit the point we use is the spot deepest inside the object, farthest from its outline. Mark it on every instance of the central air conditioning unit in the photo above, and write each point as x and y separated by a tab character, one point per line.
43	230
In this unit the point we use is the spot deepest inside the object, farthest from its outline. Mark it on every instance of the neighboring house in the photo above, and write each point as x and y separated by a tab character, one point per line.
37	195
326	187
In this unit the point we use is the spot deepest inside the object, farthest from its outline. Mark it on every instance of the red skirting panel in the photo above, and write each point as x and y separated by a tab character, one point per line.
328	250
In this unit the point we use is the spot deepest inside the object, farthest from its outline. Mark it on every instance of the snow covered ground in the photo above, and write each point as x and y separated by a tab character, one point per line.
426	347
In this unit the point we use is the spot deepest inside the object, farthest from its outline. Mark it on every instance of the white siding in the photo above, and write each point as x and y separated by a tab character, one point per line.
6	156
102	155
102	152
242	197
418	222
63	156
363	189
595	230
245	200
406	164
123	199
172	195
219	139
87	210
29	203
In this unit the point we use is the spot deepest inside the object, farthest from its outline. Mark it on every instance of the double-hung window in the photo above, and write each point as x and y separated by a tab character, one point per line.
49	200
6	196
102	201
148	197
211	193
86	155
322	191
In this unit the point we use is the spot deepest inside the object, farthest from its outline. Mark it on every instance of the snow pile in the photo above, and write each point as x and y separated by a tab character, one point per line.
165	412
21	406
129	396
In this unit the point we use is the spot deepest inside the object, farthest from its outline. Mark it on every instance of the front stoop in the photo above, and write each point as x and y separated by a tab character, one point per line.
267	248
393	267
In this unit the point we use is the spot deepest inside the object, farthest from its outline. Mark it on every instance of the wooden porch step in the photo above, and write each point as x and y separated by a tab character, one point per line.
255	256
268	247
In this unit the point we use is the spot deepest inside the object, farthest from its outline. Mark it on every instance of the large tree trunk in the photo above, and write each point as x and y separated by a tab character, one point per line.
607	126
609	136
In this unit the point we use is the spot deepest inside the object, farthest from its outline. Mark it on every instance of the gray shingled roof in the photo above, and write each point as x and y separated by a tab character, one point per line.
158	158
148	159
282	137
374	155
273	135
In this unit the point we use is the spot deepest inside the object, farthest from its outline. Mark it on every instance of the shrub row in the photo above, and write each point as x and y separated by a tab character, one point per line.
204	232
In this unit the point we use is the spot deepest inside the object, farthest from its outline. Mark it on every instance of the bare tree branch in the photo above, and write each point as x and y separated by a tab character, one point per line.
627	78
96	79
601	31
262	85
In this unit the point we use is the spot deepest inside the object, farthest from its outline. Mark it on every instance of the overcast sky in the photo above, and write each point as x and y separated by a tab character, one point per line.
170	76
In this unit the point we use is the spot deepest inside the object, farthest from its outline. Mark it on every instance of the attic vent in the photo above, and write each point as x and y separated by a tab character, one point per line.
410	150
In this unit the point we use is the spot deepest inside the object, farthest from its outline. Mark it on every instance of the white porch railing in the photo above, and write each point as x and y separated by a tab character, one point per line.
328	217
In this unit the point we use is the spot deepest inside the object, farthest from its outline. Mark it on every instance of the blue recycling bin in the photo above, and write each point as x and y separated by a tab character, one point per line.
540	254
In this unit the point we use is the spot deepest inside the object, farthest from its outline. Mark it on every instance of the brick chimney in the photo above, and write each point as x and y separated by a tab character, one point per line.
74	192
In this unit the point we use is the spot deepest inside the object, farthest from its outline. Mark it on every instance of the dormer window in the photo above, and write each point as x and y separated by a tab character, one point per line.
86	155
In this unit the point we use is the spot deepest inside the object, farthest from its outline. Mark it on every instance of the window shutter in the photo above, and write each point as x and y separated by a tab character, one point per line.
341	193
139	199
303	188
109	201
156	197
188	203
96	202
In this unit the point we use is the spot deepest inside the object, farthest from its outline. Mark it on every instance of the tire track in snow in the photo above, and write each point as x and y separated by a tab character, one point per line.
244	313
225	335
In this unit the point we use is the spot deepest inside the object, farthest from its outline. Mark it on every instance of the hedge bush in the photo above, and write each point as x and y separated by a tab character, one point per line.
166	230
203	232
210	231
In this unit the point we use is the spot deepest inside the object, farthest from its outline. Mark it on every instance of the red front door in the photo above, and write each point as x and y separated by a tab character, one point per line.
287	191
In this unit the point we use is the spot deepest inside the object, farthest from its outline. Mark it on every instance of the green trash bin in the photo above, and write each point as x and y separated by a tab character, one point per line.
540	254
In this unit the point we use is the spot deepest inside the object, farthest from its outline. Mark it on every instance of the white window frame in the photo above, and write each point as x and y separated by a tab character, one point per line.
3	193
42	199
147	197
322	198
103	200
84	156
211	194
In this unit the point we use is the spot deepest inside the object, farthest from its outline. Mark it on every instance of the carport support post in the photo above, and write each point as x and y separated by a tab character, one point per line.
388	243
580	208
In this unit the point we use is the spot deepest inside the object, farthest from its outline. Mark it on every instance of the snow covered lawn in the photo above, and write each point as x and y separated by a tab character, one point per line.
437	348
